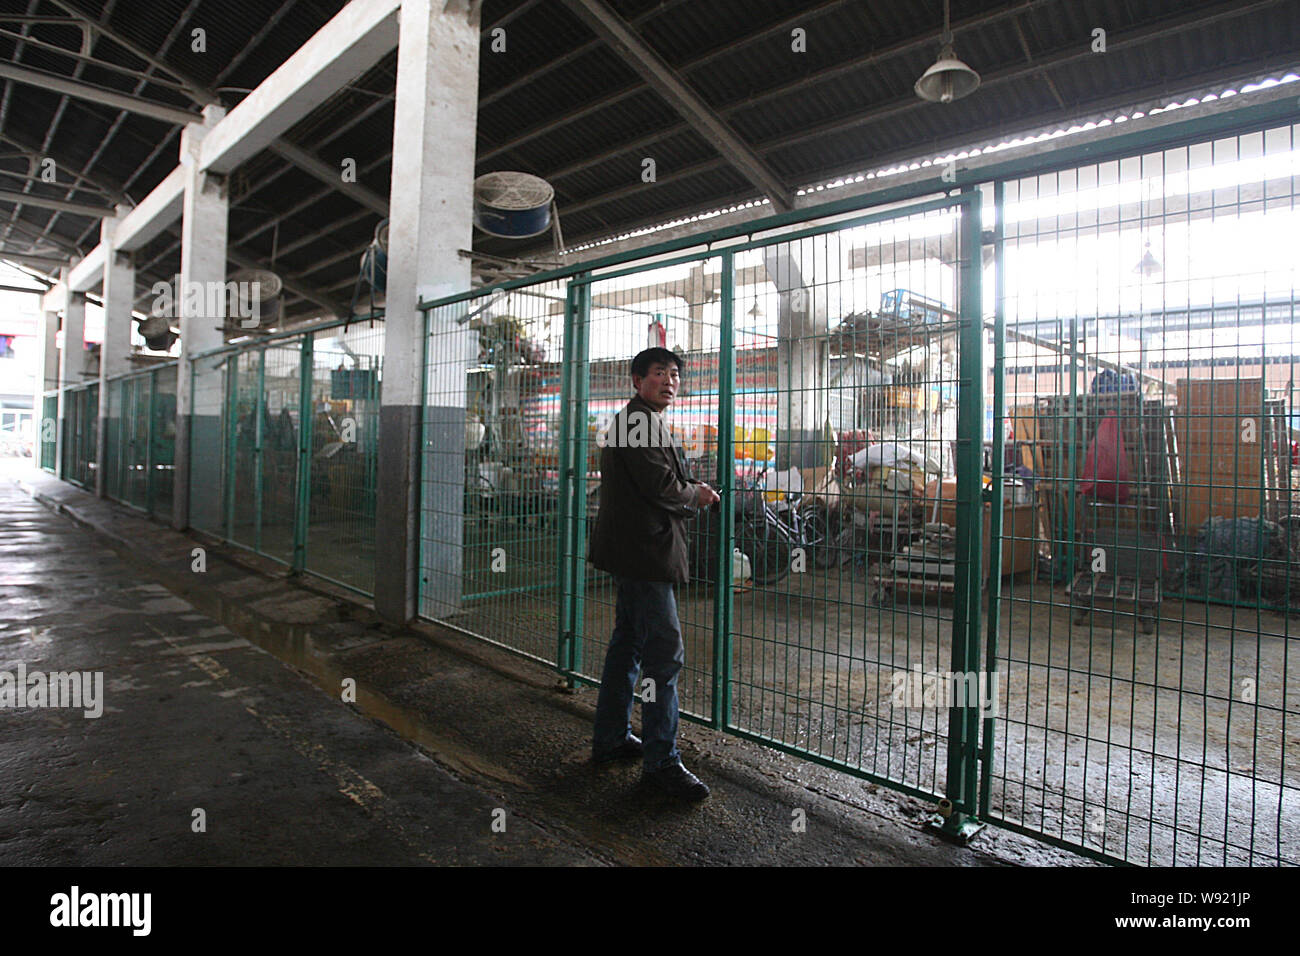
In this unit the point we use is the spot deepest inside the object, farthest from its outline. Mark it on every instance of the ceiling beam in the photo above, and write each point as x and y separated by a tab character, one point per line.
356	38
13	174
40	262
329	175
23	228
92	60
89	272
193	89
879	112
79	176
555	63
1159	30
306	202
353	41
664	80
96	94
77	208
153	214
851	65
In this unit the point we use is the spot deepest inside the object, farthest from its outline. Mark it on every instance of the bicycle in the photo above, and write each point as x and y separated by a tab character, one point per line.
765	534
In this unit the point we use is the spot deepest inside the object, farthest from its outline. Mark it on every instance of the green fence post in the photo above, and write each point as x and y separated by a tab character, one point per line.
302	509
991	689
726	416
231	382
1074	442
148	446
956	817
564	544
259	410
581	391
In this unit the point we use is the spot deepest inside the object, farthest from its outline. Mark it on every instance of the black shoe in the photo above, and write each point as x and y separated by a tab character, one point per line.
629	749
677	781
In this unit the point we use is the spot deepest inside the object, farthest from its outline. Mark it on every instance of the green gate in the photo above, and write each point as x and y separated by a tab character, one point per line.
844	685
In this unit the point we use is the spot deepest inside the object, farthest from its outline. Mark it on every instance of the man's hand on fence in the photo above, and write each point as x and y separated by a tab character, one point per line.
705	496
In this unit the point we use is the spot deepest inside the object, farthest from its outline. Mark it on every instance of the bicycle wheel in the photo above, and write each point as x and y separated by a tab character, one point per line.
836	544
816	525
769	554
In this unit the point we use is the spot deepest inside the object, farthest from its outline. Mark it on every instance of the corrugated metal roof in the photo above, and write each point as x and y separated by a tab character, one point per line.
562	104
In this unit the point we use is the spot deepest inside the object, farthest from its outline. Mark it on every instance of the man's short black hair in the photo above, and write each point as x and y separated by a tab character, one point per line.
655	356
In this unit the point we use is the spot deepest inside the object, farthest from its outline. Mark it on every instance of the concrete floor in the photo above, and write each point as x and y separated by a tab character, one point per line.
1144	747
198	718
222	694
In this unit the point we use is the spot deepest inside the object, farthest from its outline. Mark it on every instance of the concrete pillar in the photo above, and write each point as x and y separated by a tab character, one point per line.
698	292
197	498
802	357
430	218
47	378
119	296
72	362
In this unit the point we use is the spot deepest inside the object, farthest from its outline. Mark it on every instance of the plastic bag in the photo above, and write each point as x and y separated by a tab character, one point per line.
1105	469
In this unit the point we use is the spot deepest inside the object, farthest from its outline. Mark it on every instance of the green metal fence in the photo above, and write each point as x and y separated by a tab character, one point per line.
491	465
140	449
79	429
1148	311
47	434
776	649
1008	475
295	464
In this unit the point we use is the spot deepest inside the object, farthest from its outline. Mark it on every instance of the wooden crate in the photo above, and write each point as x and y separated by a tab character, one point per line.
1220	473
1019	553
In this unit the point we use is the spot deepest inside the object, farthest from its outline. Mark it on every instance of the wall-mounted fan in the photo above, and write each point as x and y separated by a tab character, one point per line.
513	205
253	302
157	332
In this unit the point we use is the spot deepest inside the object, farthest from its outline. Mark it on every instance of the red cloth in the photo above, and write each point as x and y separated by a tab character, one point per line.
1105	469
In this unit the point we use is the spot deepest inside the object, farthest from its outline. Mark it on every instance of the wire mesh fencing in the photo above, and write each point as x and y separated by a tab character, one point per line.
48	434
345	396
491	529
1009	507
292	473
79	430
140	439
794	348
1148	309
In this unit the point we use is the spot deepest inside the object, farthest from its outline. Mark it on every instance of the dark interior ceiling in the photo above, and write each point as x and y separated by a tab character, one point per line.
563	103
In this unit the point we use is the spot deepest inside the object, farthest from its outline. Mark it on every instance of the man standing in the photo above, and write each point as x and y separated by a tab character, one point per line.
646	496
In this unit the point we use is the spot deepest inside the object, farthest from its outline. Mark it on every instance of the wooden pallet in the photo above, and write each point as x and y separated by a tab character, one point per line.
885	585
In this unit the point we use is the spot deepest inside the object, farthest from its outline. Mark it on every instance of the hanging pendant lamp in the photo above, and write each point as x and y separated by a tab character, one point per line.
949	78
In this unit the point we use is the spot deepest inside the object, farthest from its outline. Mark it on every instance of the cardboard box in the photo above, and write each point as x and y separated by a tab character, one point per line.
1020	535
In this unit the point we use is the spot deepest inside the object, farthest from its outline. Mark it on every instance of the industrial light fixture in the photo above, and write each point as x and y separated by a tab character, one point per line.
1148	265
755	310
949	79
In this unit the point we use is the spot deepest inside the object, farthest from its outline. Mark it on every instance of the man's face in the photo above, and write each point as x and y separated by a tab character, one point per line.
658	387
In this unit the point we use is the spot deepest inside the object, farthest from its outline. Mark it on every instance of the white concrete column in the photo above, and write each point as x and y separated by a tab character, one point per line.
72	361
697	295
114	354
197	499
802	354
47	378
431	205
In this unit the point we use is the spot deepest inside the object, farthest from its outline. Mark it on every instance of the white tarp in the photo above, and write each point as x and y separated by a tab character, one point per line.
891	454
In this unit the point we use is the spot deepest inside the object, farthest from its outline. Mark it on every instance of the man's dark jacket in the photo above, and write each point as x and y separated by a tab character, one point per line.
646	496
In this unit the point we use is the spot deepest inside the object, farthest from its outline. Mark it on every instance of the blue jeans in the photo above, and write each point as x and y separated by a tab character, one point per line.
647	637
